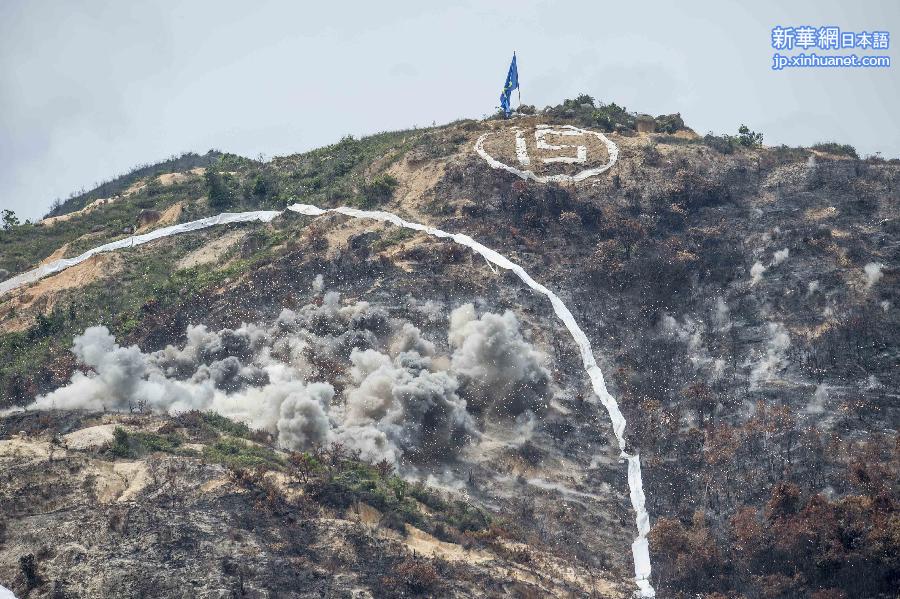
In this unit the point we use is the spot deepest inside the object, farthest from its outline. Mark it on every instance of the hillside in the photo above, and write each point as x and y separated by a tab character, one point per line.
417	421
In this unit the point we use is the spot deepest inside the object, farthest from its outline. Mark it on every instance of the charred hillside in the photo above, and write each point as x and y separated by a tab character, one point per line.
417	422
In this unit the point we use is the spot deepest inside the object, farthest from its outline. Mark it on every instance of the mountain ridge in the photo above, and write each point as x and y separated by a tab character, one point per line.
737	296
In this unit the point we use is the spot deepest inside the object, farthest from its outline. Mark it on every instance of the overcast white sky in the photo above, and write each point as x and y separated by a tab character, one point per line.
89	89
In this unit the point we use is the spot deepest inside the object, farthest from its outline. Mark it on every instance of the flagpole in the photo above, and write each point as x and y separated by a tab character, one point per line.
519	86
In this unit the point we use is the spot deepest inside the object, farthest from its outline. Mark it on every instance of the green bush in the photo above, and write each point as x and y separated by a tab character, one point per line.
121	448
427	497
669	123
226	425
391	237
724	144
836	149
240	454
133	445
587	112
466	518
612	116
379	190
262	188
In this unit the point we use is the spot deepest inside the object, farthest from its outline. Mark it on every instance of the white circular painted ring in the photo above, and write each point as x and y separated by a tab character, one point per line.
612	148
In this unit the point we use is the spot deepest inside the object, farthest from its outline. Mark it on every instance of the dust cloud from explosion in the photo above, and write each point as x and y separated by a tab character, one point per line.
398	398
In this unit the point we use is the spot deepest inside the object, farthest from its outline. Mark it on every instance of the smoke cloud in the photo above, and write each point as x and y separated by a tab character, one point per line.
873	273
326	372
756	273
499	371
775	358
721	316
690	332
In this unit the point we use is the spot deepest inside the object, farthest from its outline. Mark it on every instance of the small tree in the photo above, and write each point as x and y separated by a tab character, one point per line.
748	138
216	190
10	219
121	445
262	187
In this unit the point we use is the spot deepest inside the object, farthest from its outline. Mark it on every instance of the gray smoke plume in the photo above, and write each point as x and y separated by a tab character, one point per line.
756	273
873	273
774	360
417	410
323	373
303	416
499	371
780	256
691	331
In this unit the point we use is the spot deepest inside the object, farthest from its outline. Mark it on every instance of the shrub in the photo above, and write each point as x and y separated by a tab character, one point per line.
418	576
121	447
391	237
612	116
688	556
836	149
608	258
132	445
724	144
260	188
226	425
427	497
28	567
240	454
785	154
693	191
394	520
379	190
465	518
585	111
669	123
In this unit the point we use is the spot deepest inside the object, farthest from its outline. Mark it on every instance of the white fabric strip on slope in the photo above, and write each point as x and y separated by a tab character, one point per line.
639	548
5	593
53	267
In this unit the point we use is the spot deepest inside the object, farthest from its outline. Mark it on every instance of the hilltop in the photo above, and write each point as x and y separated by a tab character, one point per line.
740	299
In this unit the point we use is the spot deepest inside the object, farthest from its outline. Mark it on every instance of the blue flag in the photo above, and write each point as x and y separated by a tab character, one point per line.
512	82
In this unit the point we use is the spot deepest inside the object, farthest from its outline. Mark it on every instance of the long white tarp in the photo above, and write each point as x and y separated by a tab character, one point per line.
639	547
57	265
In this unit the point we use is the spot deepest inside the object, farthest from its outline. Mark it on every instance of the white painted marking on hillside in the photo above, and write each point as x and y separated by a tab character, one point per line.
58	265
567	130
580	151
639	547
521	148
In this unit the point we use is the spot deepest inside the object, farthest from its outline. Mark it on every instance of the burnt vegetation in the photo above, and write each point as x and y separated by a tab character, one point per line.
763	409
